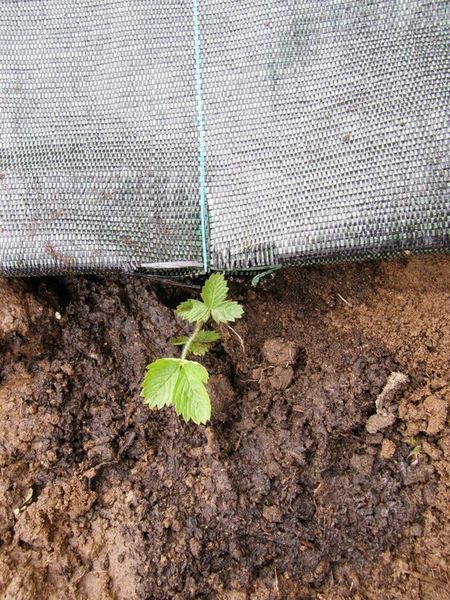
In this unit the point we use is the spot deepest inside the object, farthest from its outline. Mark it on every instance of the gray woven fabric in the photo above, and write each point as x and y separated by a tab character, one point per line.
325	128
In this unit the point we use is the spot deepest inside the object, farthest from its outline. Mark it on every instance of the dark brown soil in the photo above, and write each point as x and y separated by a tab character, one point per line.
285	495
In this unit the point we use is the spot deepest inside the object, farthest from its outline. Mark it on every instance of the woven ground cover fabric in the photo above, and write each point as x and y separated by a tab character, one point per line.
170	135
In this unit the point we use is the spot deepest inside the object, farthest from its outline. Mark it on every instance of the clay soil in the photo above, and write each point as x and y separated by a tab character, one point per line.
323	474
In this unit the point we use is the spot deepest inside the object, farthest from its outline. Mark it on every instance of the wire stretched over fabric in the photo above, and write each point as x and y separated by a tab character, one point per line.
201	138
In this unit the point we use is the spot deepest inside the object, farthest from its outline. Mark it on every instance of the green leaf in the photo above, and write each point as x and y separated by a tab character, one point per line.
215	304
257	278
214	294
180	340
227	311
215	290
198	348
180	383
191	398
160	381
193	310
205	336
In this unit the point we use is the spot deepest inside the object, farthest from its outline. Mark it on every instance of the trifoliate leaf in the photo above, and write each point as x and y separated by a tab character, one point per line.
227	311
193	311
191	398
159	382
180	383
214	294
215	290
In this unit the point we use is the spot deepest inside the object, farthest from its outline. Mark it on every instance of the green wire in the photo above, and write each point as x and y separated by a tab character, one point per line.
201	138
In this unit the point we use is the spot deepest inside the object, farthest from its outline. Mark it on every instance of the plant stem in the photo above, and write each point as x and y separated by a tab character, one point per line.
197	330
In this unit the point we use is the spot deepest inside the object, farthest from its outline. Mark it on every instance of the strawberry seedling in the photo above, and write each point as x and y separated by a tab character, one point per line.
181	382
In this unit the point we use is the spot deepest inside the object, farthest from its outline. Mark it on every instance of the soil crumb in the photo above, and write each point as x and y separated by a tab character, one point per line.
293	491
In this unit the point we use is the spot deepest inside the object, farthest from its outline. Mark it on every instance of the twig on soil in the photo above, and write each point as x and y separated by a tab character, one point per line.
92	471
315	491
344	300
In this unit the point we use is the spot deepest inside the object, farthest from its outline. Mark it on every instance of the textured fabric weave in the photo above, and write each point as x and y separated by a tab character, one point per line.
323	127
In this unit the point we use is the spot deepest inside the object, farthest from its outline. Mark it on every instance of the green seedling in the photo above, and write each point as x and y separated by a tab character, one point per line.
416	449
181	382
257	278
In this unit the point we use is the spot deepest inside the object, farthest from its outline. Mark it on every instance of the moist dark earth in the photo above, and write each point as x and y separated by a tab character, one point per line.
324	472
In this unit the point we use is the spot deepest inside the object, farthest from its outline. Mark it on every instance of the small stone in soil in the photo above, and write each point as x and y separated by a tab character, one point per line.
67	369
272	514
388	449
416	530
